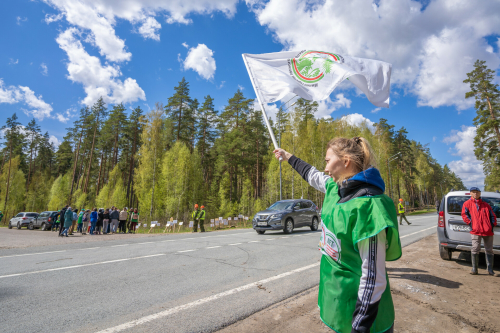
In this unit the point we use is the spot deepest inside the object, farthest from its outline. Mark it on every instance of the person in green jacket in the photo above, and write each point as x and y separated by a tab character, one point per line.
201	217
195	216
359	233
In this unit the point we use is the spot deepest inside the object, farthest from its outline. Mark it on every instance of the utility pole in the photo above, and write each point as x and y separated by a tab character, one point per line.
393	157
280	125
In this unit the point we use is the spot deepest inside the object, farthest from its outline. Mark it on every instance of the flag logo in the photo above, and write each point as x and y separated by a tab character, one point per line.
312	66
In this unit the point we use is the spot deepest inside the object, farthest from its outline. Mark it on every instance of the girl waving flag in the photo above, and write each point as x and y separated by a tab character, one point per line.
359	233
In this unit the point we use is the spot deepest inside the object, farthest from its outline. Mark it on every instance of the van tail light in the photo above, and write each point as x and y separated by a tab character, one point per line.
25	218
441	220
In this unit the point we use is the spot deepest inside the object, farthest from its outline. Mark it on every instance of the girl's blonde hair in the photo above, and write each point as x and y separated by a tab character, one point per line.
357	150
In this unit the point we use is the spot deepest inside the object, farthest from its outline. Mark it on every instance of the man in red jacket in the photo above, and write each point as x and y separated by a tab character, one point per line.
479	215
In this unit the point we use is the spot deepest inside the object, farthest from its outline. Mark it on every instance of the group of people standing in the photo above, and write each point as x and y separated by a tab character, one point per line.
96	222
198	215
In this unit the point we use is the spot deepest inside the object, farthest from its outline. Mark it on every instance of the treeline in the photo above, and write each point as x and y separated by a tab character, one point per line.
186	152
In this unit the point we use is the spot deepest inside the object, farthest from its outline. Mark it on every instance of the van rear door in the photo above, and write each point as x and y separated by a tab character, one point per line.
456	228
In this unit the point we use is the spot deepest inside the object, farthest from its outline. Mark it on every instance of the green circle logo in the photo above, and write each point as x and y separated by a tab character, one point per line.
312	66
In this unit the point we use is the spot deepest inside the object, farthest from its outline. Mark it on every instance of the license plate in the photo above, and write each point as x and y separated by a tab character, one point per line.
463	228
262	223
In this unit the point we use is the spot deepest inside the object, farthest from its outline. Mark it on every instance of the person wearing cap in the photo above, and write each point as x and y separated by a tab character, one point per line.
401	211
195	216
201	217
480	217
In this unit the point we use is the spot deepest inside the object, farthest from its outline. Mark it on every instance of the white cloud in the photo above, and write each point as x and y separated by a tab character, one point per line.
185	45
327	106
221	85
271	109
66	115
45	70
358	120
13	62
9	94
55	141
200	59
99	18
97	80
36	106
376	110
149	28
49	18
468	168
240	87
431	50
21	19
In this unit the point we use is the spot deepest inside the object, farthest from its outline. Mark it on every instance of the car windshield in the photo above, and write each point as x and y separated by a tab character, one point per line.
455	204
281	205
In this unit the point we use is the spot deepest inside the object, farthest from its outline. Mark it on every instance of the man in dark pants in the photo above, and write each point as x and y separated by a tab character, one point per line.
63	211
201	217
481	218
195	216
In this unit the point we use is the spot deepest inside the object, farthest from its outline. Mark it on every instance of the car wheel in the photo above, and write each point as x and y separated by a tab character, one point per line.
260	232
10	225
18	225
288	226
445	252
314	225
31	226
43	227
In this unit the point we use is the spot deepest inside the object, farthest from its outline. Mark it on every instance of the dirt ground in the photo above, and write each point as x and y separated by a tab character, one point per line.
430	295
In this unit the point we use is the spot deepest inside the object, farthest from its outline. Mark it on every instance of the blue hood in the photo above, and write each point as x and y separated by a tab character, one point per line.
370	176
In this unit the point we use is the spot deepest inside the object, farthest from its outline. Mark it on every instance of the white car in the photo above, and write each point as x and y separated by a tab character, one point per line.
23	219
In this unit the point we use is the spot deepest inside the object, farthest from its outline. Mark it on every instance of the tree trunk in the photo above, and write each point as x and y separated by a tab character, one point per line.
8	179
131	170
497	131
91	155
74	166
99	176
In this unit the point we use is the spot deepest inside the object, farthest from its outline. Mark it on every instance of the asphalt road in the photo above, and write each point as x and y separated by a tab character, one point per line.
176	283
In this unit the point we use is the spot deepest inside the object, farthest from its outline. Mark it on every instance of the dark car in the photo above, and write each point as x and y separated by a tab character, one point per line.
22	219
45	220
287	215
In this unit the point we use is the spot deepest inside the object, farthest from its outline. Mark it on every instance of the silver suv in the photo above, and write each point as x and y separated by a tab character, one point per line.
287	215
24	219
453	232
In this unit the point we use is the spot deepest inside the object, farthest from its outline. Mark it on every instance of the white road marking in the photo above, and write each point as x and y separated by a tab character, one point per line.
254	241
185	251
118	245
84	265
433	227
30	254
179	308
270	239
235	244
93	248
213	247
284	237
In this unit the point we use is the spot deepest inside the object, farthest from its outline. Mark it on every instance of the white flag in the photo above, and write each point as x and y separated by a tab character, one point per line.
313	75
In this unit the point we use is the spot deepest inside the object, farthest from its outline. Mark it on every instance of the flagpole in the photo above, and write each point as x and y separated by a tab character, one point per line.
261	106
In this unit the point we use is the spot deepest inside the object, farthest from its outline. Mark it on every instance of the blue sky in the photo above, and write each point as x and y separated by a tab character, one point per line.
57	55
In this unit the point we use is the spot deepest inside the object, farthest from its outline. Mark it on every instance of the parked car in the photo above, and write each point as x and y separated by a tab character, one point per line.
24	219
287	215
45	220
453	232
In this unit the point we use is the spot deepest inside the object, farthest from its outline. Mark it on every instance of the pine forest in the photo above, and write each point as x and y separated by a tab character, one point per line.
184	152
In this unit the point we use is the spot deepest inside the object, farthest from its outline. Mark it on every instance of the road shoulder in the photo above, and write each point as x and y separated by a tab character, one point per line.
429	294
